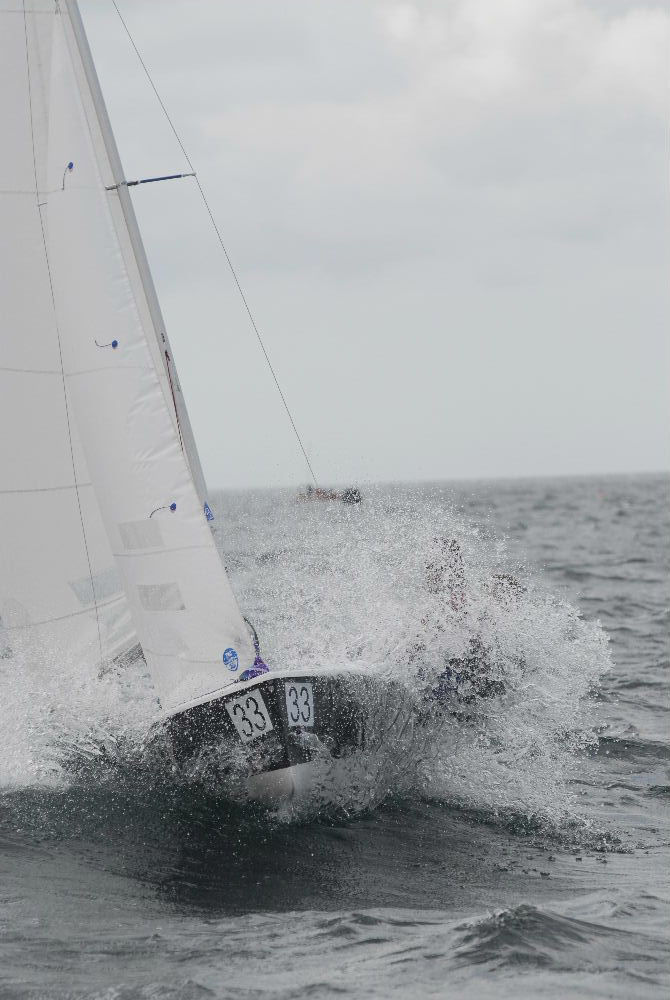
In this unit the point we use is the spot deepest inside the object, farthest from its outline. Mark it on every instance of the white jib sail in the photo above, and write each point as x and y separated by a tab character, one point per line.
61	596
187	619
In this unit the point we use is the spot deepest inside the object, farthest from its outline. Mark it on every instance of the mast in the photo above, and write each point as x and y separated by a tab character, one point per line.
164	355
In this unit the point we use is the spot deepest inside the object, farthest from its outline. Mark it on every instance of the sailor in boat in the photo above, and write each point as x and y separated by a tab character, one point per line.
470	677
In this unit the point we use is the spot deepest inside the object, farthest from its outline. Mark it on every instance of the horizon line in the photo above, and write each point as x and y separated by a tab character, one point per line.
519	477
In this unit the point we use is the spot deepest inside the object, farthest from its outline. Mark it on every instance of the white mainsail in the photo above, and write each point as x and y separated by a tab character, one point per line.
134	432
60	592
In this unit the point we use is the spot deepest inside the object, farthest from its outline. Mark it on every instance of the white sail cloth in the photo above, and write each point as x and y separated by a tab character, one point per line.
60	593
184	613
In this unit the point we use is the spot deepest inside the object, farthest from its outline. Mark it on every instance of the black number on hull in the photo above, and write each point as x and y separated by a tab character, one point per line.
294	709
245	721
299	704
262	724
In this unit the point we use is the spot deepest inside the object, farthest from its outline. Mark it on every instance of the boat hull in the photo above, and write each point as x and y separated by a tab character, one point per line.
297	735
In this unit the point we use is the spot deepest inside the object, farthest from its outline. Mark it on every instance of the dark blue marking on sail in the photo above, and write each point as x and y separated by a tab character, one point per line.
231	659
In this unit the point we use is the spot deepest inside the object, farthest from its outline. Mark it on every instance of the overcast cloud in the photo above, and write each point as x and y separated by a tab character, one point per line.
450	219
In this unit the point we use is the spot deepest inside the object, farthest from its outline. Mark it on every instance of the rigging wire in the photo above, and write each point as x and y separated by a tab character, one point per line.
221	243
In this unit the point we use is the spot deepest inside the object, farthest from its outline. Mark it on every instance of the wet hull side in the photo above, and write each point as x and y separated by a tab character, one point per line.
294	731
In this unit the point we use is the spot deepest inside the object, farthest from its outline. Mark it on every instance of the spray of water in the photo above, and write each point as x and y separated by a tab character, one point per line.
372	585
359	586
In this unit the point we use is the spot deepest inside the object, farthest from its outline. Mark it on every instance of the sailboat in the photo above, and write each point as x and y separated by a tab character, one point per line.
106	546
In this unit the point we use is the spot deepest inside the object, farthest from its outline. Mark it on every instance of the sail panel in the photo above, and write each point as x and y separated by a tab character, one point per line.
60	594
130	240
133	450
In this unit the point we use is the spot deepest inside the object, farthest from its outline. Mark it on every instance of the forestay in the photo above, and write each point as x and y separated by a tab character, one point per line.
122	399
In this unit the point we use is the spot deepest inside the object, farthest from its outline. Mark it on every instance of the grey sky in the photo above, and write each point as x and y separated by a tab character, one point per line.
450	219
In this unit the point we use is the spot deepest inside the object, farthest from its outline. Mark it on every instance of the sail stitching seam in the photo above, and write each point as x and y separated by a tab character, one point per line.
31	371
45	489
41	193
56	327
62	618
163	551
110	369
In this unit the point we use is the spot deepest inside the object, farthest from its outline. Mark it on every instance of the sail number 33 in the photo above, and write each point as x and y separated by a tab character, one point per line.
299	703
250	716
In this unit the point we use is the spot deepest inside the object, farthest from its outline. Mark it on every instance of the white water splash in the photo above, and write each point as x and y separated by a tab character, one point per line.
50	703
330	585
350	585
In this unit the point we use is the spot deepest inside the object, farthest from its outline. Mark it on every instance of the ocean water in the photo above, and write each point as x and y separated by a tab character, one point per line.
521	850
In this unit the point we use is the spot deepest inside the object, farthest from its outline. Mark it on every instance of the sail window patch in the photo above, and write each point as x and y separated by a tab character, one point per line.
141	534
160	597
98	587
